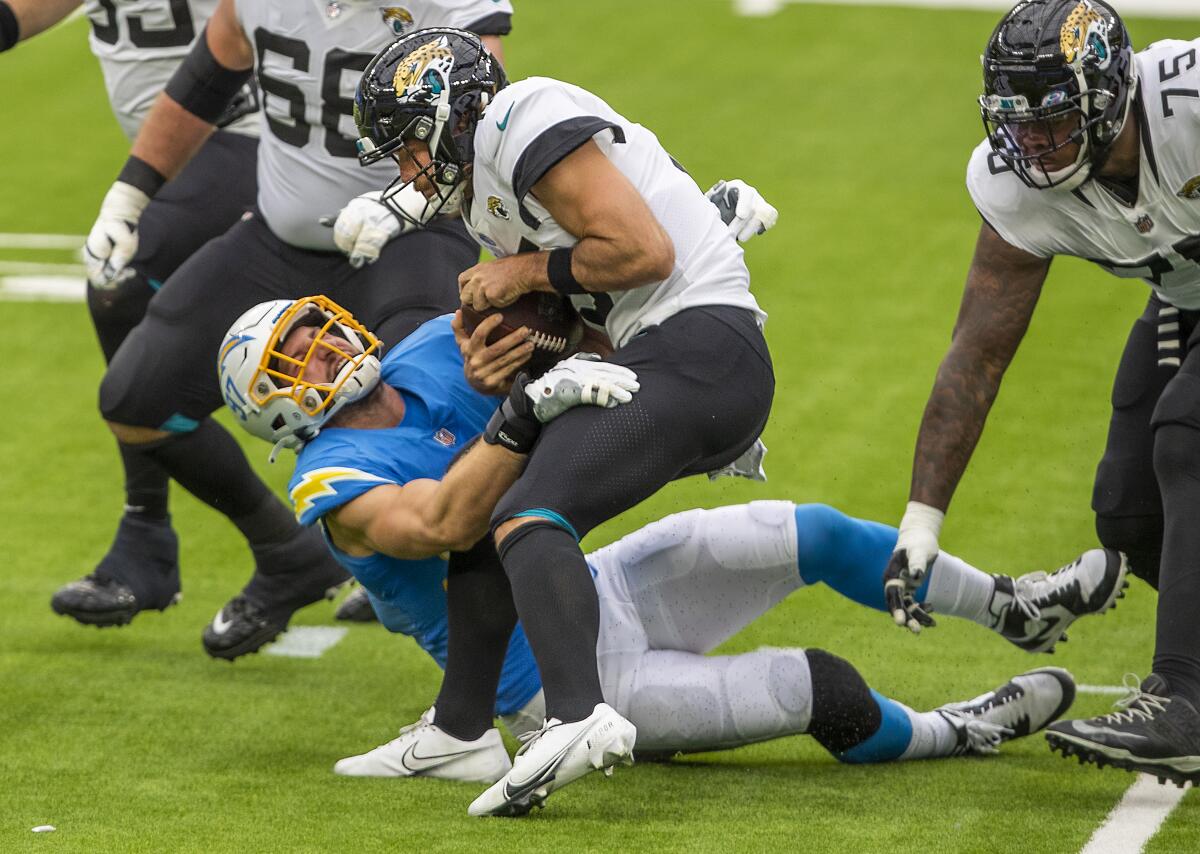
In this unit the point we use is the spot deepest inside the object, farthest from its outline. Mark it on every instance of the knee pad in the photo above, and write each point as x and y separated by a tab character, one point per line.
1139	537
844	713
683	702
1178	404
116	311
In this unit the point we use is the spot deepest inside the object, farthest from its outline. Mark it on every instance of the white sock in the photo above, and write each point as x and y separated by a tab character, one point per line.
932	737
959	589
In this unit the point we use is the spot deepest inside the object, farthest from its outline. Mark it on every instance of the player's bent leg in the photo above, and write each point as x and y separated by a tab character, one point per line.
423	749
1139	538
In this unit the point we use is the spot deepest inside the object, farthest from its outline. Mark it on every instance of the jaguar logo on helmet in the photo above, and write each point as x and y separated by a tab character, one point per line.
1084	37
496	207
429	65
397	18
1190	190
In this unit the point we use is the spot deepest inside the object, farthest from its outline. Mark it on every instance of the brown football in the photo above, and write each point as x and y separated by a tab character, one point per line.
554	327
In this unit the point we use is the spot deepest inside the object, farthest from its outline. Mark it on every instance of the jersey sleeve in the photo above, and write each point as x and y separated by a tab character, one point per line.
533	125
482	17
1002	200
320	490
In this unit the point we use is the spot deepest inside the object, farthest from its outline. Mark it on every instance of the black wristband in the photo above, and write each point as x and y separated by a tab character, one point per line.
513	424
10	29
142	175
558	271
203	86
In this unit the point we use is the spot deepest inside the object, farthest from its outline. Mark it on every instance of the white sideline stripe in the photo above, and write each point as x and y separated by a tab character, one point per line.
1136	817
38	268
41	241
1115	690
43	288
307	641
1147	8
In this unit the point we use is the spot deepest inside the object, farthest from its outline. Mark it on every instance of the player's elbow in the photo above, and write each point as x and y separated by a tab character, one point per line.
458	535
660	256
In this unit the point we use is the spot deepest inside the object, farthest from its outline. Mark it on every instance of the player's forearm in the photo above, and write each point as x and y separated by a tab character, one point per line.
459	511
963	393
34	16
623	262
170	137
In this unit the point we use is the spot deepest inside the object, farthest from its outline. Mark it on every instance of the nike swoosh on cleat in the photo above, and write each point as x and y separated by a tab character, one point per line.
416	764
503	123
1083	728
541	777
220	625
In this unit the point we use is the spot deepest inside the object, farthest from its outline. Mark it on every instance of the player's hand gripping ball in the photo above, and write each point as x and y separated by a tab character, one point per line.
555	329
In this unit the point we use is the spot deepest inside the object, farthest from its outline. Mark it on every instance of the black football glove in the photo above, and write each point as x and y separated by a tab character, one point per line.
899	589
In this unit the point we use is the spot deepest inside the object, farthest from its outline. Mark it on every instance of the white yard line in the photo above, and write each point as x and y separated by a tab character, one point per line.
307	641
1114	690
1141	8
41	241
1136	817
43	288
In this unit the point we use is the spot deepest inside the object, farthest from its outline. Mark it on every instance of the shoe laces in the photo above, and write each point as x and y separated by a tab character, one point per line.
1137	705
1035	587
975	734
528	739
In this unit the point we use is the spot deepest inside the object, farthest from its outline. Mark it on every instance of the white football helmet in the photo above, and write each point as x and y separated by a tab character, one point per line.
268	390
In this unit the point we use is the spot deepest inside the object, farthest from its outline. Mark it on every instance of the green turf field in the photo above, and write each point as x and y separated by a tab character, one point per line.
857	123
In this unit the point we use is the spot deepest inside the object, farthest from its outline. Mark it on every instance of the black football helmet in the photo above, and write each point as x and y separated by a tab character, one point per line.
1056	73
430	86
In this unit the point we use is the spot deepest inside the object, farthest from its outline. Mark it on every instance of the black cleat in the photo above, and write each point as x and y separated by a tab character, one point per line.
139	573
356	608
1153	731
288	577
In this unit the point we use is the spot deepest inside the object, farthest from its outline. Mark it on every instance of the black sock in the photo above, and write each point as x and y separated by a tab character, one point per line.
481	619
209	463
147	486
1177	464
556	600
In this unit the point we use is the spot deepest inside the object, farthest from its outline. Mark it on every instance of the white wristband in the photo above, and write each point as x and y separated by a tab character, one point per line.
922	516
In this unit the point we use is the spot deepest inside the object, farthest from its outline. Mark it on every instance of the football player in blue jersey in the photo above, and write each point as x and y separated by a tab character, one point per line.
388	468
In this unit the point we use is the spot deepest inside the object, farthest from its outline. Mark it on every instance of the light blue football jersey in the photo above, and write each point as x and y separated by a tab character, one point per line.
442	413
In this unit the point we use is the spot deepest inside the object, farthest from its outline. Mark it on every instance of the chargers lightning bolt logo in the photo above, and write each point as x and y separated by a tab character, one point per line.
320	483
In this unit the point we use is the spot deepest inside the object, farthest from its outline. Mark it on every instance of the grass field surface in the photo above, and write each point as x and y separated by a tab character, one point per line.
856	123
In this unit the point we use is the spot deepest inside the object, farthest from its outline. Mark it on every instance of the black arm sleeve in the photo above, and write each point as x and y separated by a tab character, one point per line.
203	86
496	24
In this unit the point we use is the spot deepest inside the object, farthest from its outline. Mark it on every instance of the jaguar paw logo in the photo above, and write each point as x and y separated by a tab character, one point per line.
1190	190
496	207
398	19
429	65
1084	37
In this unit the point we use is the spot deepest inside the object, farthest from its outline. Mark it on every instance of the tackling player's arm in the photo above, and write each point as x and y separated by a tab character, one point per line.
23	19
621	243
424	518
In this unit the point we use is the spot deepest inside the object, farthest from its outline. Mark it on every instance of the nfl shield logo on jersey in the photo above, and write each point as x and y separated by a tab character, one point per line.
444	437
397	18
1144	224
496	207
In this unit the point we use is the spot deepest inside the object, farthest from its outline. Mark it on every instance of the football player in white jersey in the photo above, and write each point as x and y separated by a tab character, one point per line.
139	44
574	198
1091	151
160	390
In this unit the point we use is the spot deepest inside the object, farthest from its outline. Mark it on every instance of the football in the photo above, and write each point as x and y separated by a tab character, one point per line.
554	327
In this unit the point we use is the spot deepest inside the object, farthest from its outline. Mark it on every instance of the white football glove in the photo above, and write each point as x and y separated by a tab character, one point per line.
579	380
365	225
112	242
916	549
742	208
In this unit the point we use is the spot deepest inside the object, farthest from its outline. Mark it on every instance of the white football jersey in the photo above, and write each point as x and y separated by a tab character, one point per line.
1158	238
309	55
139	44
533	124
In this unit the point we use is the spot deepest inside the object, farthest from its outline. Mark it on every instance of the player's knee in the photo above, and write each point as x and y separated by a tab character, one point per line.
1139	537
844	714
1176	455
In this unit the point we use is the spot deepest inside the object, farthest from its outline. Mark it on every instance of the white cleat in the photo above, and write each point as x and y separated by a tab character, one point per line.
424	750
1035	610
1021	706
556	755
